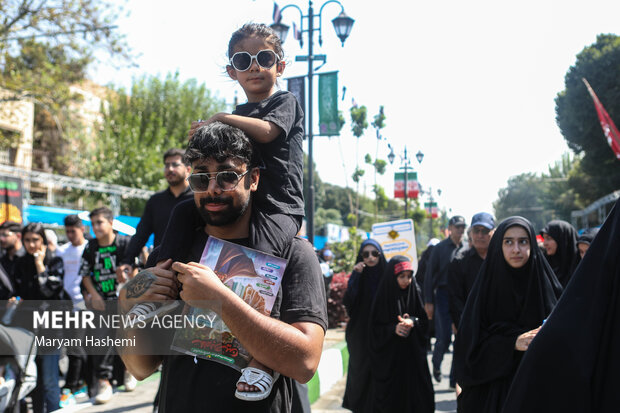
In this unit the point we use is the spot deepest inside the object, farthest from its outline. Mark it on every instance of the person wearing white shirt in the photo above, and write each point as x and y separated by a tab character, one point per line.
71	254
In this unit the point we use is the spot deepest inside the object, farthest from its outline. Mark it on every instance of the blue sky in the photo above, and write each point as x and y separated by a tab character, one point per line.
470	84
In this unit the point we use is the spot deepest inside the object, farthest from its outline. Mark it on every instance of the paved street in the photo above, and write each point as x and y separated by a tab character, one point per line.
141	400
138	401
445	399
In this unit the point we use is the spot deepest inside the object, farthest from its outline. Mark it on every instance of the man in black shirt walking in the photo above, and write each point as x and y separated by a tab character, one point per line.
158	209
288	341
11	243
436	296
464	267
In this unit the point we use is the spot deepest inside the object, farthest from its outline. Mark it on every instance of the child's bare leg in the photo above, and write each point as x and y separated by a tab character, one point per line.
256	364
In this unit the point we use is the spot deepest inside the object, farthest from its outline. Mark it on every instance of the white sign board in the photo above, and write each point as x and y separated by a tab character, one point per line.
397	238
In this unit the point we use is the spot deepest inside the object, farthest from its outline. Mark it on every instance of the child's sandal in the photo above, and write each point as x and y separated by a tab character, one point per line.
259	378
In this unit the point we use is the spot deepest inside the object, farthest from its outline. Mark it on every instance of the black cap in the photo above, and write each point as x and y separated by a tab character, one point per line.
457	220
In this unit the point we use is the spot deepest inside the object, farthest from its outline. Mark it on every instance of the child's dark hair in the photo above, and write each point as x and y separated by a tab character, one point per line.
259	30
220	141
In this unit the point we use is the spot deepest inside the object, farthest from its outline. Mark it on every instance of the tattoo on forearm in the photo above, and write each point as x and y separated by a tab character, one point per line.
140	284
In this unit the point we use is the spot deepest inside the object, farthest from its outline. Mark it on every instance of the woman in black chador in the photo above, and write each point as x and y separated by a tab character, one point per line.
560	243
367	272
401	381
513	294
573	365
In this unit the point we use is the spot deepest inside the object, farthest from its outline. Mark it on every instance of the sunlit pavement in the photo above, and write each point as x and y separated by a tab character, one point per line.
141	399
138	401
445	398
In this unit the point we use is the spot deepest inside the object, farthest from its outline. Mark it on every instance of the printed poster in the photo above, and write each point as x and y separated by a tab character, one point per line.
253	276
397	238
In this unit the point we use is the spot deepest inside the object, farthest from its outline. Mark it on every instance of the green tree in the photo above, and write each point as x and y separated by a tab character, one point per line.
346	252
45	47
140	125
324	216
379	165
359	123
340	199
69	30
523	196
541	198
576	116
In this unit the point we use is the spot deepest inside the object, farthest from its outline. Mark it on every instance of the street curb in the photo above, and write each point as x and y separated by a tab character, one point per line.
332	367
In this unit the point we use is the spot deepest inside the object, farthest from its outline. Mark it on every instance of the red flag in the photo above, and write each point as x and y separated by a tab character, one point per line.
277	17
609	128
296	32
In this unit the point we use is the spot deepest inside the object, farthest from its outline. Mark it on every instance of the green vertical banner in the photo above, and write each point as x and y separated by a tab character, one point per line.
328	104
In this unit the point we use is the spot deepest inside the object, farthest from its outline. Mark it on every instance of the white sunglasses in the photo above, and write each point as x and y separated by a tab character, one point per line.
242	61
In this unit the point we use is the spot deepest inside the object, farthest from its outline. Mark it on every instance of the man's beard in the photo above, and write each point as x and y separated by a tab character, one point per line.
223	217
174	180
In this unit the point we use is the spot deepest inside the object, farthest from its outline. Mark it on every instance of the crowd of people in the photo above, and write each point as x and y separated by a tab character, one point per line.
493	295
492	292
86	272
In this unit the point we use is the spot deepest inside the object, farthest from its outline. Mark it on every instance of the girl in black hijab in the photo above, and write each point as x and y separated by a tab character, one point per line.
560	243
400	375
362	287
573	365
513	294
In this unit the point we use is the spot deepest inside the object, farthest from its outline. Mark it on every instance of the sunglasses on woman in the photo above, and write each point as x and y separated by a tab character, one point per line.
367	254
226	180
242	61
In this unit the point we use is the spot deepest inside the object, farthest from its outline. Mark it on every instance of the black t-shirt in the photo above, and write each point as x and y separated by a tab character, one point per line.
462	273
154	220
437	271
197	385
100	263
280	188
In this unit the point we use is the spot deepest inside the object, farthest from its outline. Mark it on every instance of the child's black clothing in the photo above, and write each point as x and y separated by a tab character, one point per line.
278	205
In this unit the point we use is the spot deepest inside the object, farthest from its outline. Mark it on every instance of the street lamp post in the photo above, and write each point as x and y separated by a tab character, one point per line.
431	200
342	24
405	161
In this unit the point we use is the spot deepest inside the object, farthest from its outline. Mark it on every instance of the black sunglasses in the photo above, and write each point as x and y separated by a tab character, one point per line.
242	61
367	254
226	180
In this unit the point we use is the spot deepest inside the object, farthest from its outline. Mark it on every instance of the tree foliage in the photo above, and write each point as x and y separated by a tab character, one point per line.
576	116
359	121
541	198
45	44
141	124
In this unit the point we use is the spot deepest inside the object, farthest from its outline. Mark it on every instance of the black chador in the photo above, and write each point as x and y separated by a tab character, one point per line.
401	381
573	364
358	300
566	256
504	303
